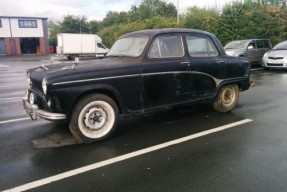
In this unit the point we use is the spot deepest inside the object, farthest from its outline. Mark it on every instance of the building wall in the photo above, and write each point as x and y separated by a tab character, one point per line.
5	29
26	32
12	33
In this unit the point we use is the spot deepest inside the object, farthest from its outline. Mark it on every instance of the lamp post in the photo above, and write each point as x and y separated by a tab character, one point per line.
177	12
81	25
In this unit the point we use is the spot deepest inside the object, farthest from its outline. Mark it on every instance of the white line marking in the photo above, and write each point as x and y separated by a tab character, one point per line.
11	71
1	65
3	99
94	166
14	120
25	86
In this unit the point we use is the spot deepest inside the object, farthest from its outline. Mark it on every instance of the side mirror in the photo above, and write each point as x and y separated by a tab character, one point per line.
250	47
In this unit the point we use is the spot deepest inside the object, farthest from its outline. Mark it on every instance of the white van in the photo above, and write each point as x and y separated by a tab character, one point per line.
73	45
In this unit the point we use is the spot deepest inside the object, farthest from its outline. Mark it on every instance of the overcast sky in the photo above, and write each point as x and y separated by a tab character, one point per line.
92	9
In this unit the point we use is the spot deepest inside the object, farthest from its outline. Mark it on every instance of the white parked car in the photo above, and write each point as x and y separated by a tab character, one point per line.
276	57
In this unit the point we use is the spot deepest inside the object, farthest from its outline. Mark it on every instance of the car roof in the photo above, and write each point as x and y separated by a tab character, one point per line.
153	32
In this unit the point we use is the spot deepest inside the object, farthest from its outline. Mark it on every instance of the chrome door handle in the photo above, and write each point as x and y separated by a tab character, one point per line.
185	63
220	61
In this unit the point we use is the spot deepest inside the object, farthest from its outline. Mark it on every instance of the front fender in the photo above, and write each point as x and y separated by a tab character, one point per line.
69	96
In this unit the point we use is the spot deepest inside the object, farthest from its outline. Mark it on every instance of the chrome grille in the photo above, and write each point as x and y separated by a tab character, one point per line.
275	65
275	58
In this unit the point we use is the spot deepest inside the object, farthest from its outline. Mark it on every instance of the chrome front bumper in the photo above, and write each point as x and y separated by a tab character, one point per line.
33	111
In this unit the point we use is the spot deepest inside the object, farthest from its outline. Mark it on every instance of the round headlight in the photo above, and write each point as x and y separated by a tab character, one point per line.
31	98
44	85
49	103
28	77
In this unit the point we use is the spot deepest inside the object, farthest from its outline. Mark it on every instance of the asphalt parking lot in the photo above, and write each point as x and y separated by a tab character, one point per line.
187	149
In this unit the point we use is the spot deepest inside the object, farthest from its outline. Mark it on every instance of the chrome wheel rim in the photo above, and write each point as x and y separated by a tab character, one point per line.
96	119
228	96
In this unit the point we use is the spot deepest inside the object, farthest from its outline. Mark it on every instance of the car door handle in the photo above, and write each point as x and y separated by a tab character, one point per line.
220	61
185	63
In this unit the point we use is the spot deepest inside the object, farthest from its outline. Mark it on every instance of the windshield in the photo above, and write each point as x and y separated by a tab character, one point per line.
237	44
131	46
281	46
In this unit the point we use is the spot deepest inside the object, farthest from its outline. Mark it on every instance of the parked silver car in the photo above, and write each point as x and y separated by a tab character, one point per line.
253	49
276	57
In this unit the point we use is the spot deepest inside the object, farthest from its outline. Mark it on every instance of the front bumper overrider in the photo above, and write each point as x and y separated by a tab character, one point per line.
33	111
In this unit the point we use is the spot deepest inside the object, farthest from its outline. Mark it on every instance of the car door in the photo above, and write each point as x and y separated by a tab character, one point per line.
263	46
166	75
261	49
252	52
207	65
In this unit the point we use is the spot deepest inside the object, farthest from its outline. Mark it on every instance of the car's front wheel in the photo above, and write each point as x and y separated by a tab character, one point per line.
226	99
94	118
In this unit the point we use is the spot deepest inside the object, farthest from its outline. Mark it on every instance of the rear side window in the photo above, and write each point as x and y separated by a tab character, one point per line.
199	46
167	46
262	44
267	44
253	44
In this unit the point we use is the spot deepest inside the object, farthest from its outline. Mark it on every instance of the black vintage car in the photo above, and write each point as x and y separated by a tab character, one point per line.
144	71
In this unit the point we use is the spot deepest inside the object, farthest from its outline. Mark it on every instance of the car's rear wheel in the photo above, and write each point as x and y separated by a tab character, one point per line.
226	99
94	118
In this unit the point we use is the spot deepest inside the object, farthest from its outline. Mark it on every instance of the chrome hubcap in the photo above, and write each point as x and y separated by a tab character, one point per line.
95	118
228	96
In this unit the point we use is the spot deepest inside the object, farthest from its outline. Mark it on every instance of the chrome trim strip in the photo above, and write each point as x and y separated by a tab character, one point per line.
168	72
97	79
218	81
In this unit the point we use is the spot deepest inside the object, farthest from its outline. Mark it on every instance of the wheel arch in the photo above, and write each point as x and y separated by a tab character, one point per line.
241	85
105	90
226	97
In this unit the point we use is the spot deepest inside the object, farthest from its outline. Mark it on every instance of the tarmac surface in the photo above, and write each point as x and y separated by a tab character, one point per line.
187	149
32	57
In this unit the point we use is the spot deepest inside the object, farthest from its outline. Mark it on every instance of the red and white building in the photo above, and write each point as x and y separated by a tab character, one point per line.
23	35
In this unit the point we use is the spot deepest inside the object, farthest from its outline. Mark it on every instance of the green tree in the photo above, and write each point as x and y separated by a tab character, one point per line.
113	18
54	29
237	21
198	18
74	24
248	20
110	34
94	26
151	8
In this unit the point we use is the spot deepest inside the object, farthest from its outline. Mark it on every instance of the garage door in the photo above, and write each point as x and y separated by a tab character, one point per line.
2	47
